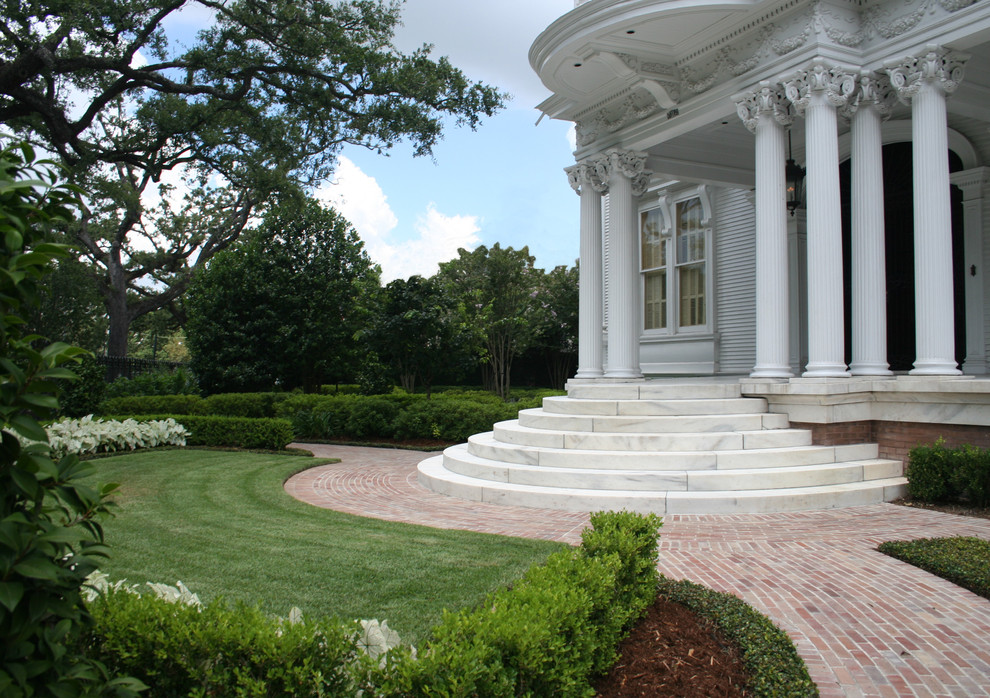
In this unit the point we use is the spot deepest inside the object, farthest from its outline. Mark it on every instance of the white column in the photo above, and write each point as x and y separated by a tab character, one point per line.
816	93
763	114
924	82
973	184
585	181
624	173
869	281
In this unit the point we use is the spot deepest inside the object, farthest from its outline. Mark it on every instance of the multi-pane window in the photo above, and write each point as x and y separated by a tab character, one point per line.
654	256
675	266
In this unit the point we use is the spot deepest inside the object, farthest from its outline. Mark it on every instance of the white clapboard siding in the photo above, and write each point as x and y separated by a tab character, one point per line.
735	281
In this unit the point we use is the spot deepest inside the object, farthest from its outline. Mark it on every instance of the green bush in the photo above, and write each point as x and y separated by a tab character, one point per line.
151	404
217	650
241	404
937	473
81	397
232	432
775	667
372	417
962	560
552	632
179	381
451	418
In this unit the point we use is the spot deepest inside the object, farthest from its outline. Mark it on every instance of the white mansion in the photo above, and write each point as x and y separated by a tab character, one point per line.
785	231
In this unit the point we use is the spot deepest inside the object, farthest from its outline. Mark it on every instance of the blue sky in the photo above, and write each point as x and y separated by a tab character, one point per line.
503	183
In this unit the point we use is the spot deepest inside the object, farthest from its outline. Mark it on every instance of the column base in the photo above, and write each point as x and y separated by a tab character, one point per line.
867	368
589	373
783	371
623	373
934	367
825	370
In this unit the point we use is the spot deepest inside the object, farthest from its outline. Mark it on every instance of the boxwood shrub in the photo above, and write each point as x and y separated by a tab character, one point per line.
775	667
962	560
131	405
938	473
234	432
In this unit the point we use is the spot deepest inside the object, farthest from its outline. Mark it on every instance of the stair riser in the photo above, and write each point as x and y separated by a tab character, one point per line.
662	503
537	419
634	391
702	481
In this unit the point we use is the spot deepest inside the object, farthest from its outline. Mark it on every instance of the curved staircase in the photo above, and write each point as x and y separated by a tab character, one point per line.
662	447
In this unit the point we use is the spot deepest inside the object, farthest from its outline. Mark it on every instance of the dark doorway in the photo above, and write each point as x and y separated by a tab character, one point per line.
898	206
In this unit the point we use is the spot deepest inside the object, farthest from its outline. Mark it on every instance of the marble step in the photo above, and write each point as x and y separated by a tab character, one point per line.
654	390
544	419
512	436
743	446
433	475
459	459
655	408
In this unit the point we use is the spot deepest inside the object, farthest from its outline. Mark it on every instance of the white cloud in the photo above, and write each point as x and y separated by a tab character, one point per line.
436	236
572	137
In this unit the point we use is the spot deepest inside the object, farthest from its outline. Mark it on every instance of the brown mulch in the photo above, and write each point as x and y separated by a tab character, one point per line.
957	508
673	652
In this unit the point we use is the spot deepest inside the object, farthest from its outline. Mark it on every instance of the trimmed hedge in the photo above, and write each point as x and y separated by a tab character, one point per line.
452	416
771	658
962	560
235	432
217	650
549	634
937	473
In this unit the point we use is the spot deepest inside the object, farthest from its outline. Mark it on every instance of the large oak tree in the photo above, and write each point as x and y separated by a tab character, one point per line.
261	101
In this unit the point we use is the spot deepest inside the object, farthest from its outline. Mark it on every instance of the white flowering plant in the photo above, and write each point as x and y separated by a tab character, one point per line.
91	435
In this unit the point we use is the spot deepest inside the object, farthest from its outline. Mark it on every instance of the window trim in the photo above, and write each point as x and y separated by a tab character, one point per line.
667	202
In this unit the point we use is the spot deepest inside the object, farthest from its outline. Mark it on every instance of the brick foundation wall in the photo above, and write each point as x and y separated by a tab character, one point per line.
895	439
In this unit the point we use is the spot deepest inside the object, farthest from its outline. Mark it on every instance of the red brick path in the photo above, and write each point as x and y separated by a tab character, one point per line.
865	624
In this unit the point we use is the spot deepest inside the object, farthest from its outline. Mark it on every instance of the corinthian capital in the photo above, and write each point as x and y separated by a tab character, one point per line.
873	91
835	84
936	66
627	163
767	100
585	174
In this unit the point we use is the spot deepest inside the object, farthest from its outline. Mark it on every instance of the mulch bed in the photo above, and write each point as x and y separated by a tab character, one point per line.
673	652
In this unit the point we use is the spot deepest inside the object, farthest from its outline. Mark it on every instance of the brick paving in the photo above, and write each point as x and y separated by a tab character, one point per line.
865	624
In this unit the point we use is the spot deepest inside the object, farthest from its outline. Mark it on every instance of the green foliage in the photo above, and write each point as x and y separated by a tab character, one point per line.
420	331
84	395
50	532
938	473
152	404
963	560
221	650
281	308
557	323
497	288
262	99
179	381
549	634
769	655
234	432
450	418
71	308
241	404
373	376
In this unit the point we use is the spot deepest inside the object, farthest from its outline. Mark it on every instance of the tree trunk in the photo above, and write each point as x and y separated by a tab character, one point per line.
120	322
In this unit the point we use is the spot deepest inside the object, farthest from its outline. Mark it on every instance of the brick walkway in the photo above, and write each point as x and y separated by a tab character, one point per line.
865	624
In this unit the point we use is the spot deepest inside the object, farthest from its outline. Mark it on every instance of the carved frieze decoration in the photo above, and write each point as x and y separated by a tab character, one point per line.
782	29
767	100
835	84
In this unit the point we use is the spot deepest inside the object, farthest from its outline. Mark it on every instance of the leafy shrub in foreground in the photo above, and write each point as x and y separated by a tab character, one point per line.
769	655
963	560
181	650
937	473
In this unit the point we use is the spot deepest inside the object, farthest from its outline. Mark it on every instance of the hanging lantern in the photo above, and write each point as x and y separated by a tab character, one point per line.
794	176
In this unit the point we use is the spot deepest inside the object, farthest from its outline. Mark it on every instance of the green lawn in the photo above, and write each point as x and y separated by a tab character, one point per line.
222	524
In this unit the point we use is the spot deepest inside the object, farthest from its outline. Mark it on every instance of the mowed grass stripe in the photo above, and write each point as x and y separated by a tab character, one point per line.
222	524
